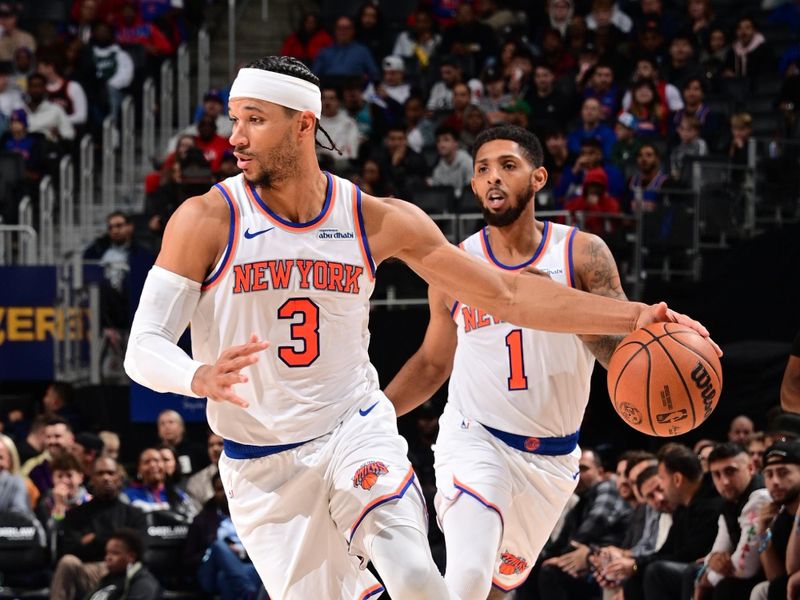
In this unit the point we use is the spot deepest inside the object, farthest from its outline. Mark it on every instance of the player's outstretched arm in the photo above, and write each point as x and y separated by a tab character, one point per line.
397	228
430	366
193	242
596	272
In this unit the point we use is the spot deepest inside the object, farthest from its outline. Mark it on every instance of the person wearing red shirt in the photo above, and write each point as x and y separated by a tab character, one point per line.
595	199
131	29
306	42
212	145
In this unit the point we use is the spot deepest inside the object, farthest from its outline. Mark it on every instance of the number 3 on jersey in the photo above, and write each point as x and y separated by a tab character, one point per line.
517	380
306	330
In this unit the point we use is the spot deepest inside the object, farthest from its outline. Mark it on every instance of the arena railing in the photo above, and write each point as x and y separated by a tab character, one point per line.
148	124
127	147
47	242
86	180
109	166
183	72
203	64
66	203
166	105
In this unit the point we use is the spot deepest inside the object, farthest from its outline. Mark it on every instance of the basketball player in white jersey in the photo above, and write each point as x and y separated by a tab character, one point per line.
274	268
506	457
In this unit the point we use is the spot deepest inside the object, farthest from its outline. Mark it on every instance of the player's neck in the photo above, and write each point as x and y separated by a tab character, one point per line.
516	243
298	199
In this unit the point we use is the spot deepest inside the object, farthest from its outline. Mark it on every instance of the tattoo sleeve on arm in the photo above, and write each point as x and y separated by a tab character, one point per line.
598	274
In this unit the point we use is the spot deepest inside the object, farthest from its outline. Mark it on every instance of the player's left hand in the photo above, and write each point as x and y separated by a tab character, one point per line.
661	313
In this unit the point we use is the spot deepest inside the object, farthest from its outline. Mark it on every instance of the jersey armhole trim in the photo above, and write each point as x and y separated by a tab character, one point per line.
358	214
233	237
568	258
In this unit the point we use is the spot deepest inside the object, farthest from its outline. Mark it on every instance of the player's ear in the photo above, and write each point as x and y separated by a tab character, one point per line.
538	178
307	124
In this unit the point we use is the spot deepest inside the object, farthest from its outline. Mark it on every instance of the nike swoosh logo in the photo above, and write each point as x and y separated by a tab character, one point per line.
250	236
366	411
576	475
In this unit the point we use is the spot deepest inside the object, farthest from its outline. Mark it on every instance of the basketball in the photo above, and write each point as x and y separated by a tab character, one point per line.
664	379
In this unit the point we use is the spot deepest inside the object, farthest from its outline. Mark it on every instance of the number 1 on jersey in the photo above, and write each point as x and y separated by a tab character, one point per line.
516	365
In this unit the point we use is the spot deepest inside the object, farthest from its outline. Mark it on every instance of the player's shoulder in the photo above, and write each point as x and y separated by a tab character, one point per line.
206	209
588	246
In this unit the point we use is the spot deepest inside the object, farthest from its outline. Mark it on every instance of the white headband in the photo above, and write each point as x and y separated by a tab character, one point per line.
278	88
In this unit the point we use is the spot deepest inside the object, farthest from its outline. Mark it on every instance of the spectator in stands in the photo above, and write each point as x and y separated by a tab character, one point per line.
199	485
599	518
214	554
595	199
390	94
714	56
703	448
462	98
647	180
651	115
172	431
517	113
682	64
13	491
623	154
732	567
10	97
213	145
455	165
755	449
495	94
214	105
68	492
132	30
441	95
419	43
88	447
694	91
421	131
556	156
591	156
79	30
151	491
306	42
372	32
668	94
30	146
11	37
601	86
700	16
750	55
34	442
371	181
555	53
741	131
691	145
172	475
127	578
85	531
111	444
23	66
606	13
358	108
776	521
468	38
346	57
404	169
669	573
46	117
340	126
69	95
740	429
105	70
58	441
548	104
58	401
475	122
591	127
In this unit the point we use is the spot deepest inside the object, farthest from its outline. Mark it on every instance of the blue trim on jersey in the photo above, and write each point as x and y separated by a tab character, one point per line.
453	310
550	446
380	590
485	234
363	230
569	256
389	498
239	451
471	494
282	221
231	232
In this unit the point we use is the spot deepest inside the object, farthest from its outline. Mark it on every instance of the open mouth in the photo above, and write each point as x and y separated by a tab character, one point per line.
495	198
242	160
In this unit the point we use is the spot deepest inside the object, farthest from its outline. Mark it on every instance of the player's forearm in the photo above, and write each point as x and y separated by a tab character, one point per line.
416	382
539	303
602	346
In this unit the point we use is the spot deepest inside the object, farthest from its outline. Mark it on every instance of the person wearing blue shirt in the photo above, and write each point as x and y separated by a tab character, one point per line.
346	57
591	127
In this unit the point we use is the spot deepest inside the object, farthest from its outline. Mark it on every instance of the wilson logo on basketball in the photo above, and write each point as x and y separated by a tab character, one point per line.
512	565
368	474
702	380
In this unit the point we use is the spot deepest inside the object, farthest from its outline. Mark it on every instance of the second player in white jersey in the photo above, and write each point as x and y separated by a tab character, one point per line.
523	381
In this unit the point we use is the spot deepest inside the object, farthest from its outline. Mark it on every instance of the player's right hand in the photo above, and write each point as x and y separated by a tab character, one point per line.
216	381
661	313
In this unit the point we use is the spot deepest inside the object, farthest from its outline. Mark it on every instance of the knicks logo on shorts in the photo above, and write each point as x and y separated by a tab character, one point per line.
367	474
512	565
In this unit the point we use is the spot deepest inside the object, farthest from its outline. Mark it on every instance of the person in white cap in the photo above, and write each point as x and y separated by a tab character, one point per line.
392	91
317	476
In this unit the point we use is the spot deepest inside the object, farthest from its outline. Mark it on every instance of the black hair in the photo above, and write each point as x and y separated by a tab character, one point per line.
65	462
132	540
645	475
677	458
592	143
526	140
288	65
652	146
700	80
726	450
58	421
62	388
446	130
634	457
38	76
109	216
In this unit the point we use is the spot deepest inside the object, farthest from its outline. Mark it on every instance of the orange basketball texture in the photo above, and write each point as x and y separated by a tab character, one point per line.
664	379
368	481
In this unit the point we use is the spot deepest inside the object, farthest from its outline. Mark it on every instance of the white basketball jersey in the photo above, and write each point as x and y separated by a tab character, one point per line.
519	380
303	287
